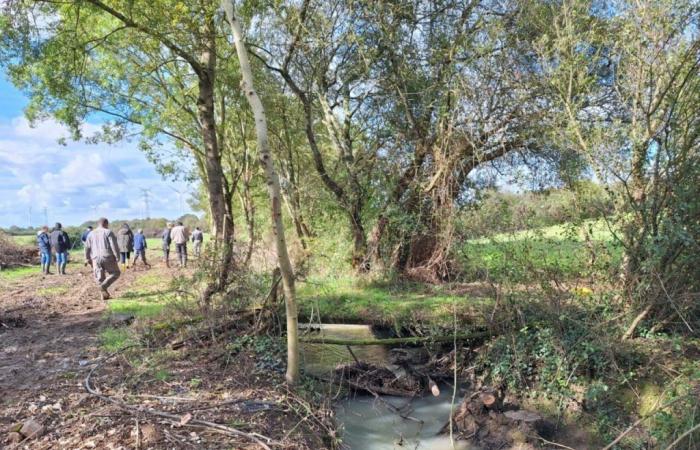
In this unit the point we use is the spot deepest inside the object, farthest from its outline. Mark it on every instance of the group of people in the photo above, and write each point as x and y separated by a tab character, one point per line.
56	243
106	251
129	242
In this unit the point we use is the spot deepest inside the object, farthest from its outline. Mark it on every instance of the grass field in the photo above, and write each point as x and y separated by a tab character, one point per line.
347	300
560	250
25	239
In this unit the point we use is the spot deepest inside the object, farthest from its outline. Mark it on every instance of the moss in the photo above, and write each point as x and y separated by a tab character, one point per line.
650	396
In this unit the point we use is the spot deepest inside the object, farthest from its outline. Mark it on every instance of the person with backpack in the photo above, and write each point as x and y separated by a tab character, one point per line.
44	242
125	239
165	235
86	233
197	238
140	247
60	242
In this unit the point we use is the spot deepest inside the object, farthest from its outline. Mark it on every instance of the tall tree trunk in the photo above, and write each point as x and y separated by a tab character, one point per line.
221	218
273	184
217	186
359	239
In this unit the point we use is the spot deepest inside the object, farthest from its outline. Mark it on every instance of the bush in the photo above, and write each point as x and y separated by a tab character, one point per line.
498	212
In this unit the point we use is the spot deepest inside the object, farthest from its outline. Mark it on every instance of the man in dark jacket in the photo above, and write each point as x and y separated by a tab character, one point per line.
140	247
125	239
197	238
86	233
166	243
60	242
44	242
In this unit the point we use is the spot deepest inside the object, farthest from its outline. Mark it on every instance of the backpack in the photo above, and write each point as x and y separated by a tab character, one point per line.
63	240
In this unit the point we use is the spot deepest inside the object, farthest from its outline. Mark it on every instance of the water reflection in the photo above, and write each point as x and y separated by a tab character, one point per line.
370	425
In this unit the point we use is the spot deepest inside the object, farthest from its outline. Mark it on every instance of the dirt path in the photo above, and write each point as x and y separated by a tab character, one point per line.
54	333
48	339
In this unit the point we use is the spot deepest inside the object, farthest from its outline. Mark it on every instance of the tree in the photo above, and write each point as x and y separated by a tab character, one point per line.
627	87
315	52
401	101
455	94
127	64
283	261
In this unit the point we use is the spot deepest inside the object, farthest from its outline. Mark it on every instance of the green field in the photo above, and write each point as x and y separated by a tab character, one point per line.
25	239
564	251
560	251
348	300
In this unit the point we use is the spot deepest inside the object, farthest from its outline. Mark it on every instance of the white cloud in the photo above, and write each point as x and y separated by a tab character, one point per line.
75	181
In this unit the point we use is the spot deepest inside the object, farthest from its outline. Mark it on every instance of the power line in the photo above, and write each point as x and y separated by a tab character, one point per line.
146	192
180	193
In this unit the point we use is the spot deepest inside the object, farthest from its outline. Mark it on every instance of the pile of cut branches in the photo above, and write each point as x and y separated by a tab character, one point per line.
12	255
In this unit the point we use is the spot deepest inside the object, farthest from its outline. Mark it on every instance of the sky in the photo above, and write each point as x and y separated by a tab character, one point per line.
42	180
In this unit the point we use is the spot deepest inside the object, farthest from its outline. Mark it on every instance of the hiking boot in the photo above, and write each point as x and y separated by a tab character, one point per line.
104	295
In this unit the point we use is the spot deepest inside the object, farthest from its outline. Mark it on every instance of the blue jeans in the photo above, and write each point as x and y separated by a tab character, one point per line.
45	258
124	257
61	258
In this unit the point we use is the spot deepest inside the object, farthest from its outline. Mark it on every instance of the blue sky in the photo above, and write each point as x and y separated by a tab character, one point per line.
74	182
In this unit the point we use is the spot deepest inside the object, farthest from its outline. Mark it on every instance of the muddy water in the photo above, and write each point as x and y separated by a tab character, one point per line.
369	424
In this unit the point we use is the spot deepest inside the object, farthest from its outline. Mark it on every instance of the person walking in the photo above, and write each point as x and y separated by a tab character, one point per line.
125	239
180	236
140	247
197	238
60	242
86	233
102	253
44	242
166	243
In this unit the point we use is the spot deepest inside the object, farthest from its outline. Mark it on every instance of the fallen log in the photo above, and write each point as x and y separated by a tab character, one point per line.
396	341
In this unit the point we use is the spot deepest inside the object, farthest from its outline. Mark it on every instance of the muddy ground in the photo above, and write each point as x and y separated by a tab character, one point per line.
50	328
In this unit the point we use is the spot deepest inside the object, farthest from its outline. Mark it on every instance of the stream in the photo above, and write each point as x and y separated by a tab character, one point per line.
368	424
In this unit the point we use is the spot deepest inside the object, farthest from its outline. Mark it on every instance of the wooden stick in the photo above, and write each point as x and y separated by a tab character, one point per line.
352	354
683	436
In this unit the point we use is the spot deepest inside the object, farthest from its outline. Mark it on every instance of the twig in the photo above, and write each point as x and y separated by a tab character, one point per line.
352	354
556	444
138	434
683	436
223	429
640	420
